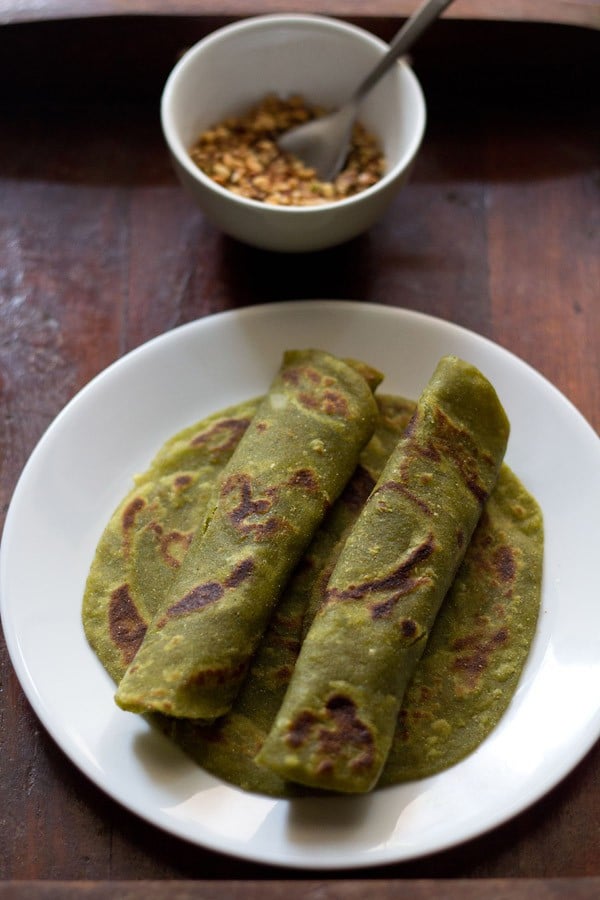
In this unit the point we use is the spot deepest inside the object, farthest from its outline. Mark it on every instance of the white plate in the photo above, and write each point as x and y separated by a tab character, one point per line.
111	429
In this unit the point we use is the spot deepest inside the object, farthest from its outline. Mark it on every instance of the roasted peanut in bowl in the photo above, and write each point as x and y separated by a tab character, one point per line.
233	93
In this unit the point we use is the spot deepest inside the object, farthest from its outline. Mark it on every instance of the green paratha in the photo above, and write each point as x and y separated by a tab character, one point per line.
336	723
464	680
290	465
471	666
141	548
228	747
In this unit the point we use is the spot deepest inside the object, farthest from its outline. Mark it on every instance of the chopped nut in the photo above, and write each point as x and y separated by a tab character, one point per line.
241	154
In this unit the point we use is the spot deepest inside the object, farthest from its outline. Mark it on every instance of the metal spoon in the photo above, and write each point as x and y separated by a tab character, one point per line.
323	143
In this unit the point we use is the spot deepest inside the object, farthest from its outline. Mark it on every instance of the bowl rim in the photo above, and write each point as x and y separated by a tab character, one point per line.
183	158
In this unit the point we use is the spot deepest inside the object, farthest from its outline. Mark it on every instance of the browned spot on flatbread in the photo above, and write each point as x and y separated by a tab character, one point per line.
291	645
304	478
410	495
295	375
182	481
239	573
412	424
222	675
300	728
358	489
168	542
126	626
504	563
402	732
283	674
343	732
200	596
208	592
349	731
409	628
455	443
330	402
128	519
322	395
399	582
334	403
229	431
320	588
250	515
473	663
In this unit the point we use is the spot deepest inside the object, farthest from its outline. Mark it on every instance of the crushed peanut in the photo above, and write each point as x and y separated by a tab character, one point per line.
242	155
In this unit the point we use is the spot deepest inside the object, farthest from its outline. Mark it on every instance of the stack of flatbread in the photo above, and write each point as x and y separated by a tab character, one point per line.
324	588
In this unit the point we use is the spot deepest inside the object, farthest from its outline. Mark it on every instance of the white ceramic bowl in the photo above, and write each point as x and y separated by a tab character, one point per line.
322	59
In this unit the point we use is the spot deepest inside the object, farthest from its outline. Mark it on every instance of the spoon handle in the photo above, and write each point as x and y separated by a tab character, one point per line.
414	26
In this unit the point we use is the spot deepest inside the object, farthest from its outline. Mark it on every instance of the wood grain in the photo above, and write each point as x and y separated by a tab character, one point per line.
459	889
567	12
100	250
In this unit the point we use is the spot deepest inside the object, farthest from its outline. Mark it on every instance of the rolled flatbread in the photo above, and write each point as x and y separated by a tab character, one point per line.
475	655
227	747
291	464
336	724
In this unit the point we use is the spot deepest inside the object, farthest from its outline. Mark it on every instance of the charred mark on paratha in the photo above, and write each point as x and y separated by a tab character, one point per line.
399	582
291	645
454	442
208	592
343	732
410	495
229	430
200	596
128	520
409	628
283	674
239	573
295	374
169	541
220	675
350	731
300	728
304	478
504	563
322	396
282	629
180	482
130	512
330	402
472	664
126	626
358	489
250	515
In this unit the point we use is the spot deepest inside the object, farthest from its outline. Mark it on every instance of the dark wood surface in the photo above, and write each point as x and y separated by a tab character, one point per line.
358	889
573	12
100	250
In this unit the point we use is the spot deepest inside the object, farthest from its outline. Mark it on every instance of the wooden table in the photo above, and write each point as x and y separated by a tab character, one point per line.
100	250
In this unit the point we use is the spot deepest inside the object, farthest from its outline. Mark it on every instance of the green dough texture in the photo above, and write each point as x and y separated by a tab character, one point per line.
336	724
289	467
141	549
461	685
